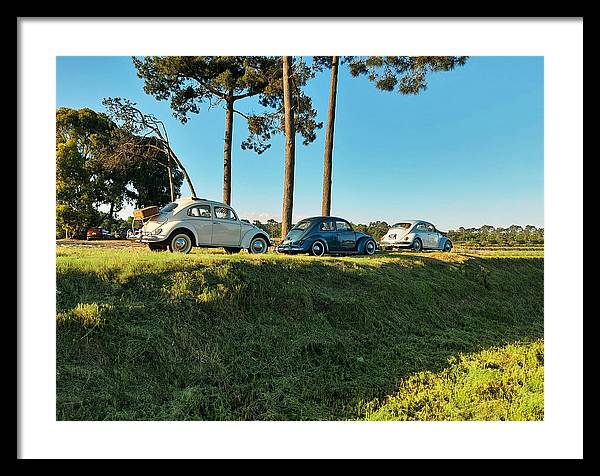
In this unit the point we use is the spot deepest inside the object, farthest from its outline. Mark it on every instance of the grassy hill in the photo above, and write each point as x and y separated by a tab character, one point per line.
209	336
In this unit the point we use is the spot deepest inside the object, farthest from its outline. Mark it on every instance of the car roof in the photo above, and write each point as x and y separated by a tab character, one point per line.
411	221
185	201
323	218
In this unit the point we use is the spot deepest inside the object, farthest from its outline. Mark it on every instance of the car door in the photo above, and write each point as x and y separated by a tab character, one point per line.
421	233
432	237
345	236
327	231
226	227
436	236
199	218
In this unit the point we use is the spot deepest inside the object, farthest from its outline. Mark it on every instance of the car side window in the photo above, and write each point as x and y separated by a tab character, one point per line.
327	225
343	226
421	227
430	228
200	211
224	213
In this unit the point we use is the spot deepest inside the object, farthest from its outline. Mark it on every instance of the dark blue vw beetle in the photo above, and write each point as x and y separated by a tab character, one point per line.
320	235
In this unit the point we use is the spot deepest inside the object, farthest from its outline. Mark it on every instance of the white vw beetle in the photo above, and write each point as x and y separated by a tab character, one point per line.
189	222
415	234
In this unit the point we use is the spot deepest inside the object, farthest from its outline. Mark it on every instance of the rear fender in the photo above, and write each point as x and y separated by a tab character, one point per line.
178	227
249	236
360	245
443	241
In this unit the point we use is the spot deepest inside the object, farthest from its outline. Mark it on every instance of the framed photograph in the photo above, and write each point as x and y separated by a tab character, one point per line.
285	243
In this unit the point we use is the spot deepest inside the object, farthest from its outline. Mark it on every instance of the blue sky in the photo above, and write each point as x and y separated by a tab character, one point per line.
467	151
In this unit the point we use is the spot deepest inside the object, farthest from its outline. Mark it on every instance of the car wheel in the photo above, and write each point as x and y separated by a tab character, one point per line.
417	244
370	247
180	243
448	246
258	246
232	250
317	248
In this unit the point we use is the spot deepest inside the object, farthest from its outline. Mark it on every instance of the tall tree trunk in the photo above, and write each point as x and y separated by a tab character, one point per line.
290	144
170	172
227	150
326	207
110	214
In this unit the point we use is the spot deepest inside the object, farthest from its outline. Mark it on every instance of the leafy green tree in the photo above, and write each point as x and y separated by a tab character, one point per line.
80	184
93	169
407	74
378	229
81	137
189	81
150	176
151	184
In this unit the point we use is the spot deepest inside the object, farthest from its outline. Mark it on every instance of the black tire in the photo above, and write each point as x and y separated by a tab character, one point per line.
181	242
370	247
258	245
447	246
417	245
317	248
229	250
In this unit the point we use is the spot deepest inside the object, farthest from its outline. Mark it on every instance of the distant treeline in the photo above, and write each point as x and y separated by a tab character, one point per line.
488	235
485	235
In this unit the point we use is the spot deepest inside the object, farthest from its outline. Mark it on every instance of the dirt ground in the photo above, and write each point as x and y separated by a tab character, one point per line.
101	243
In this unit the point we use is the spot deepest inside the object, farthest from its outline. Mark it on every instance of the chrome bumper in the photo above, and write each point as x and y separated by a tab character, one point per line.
146	238
395	244
288	248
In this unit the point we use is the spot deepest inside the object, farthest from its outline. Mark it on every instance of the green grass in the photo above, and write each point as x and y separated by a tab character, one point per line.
504	383
209	336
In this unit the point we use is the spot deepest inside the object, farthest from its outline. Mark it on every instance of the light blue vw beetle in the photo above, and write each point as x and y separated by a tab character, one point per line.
415	234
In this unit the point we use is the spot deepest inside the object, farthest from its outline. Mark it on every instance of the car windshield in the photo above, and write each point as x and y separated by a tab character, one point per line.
169	207
404	225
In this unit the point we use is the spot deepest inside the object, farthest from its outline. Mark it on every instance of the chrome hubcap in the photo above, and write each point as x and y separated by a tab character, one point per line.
258	246
370	247
180	244
318	249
